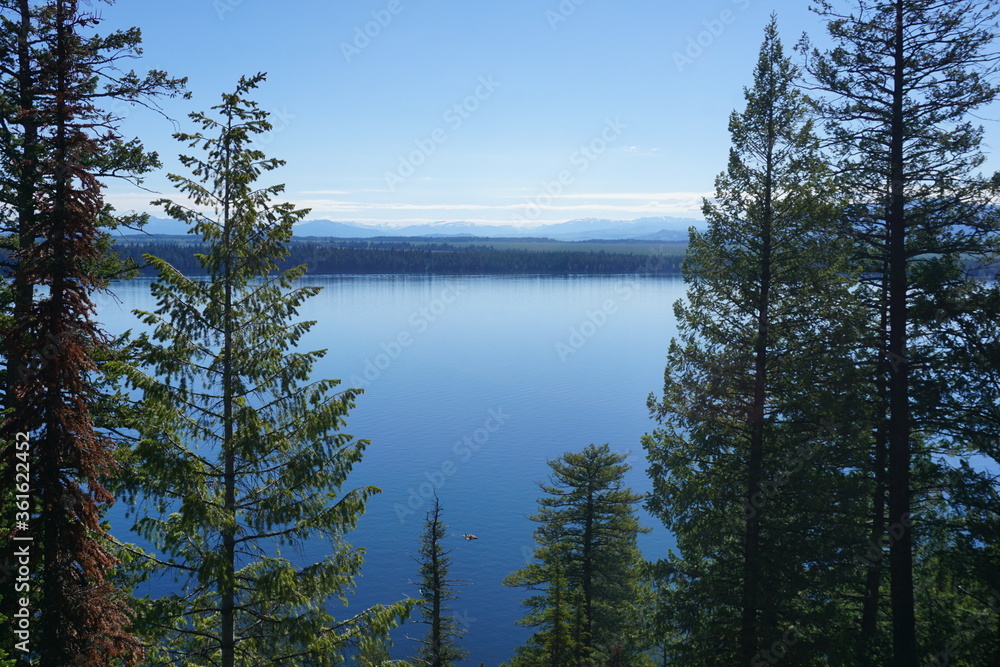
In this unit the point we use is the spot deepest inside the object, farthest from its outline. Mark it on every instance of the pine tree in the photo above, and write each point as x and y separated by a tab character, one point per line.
241	457
439	646
588	567
751	464
374	652
56	141
904	75
27	52
554	610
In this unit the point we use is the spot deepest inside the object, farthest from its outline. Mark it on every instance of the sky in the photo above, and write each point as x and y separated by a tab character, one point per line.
518	112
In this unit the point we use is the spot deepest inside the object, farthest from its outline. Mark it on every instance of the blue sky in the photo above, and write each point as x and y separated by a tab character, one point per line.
522	111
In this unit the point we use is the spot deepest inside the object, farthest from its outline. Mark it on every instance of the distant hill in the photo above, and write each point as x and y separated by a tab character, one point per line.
164	226
652	229
658	228
343	230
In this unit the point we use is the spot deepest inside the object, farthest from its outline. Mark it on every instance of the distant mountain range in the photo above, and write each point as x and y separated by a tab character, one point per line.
651	229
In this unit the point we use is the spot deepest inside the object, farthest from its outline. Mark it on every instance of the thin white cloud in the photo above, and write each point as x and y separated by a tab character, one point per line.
651	207
336	205
329	205
637	150
140	201
403	222
616	205
638	195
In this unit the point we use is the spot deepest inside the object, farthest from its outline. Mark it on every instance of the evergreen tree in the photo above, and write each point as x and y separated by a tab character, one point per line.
555	610
904	75
56	141
374	652
753	463
588	567
660	624
240	456
27	52
439	646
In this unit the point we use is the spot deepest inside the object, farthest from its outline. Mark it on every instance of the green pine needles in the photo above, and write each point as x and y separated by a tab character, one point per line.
439	646
587	593
762	419
240	458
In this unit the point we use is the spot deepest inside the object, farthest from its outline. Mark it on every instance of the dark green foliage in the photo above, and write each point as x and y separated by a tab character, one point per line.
374	652
958	591
241	458
366	257
756	463
439	647
587	568
904	78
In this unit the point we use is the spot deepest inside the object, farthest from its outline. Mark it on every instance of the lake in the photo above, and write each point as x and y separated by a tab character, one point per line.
471	385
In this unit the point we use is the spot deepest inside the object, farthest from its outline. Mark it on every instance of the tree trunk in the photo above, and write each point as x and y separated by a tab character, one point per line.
873	575
588	577
227	585
755	459
21	290
438	584
901	548
51	459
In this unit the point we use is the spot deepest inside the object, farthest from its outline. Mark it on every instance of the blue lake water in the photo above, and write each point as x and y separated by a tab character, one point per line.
471	385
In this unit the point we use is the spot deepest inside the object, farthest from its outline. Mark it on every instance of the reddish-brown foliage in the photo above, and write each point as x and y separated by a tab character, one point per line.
80	617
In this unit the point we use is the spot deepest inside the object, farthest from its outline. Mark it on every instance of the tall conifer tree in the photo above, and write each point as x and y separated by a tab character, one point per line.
241	456
904	76
439	646
56	142
757	432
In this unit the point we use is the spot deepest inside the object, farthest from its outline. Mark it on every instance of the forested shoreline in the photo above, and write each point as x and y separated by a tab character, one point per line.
434	257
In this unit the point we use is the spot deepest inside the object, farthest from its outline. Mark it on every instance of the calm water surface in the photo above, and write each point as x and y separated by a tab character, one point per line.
471	385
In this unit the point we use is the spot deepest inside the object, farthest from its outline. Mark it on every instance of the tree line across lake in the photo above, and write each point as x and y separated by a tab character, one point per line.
425	256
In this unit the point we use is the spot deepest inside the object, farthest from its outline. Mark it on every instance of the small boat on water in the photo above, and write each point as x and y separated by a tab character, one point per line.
470	537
